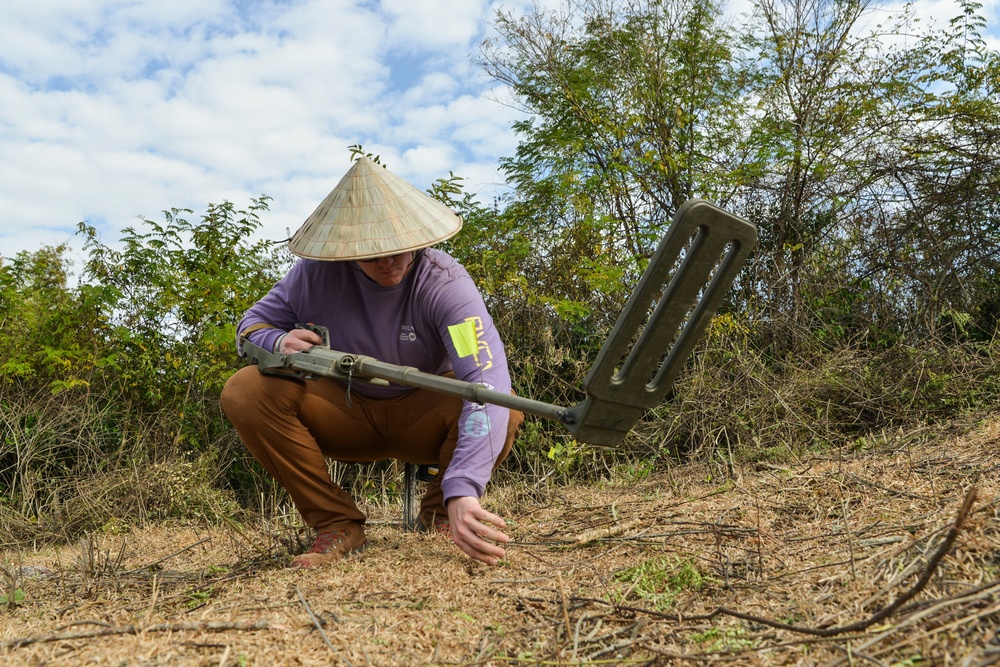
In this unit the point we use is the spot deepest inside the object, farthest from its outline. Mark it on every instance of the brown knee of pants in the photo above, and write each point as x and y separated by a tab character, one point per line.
266	412
291	426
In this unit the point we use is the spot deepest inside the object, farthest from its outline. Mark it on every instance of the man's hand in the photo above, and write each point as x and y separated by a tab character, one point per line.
474	529
298	340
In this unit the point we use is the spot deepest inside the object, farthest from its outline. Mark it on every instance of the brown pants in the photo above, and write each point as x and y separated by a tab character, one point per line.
292	426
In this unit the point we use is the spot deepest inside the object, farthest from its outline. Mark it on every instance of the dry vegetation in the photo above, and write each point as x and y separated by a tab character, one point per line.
843	559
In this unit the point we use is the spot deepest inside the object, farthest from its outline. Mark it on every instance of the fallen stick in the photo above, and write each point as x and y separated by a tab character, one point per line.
136	629
889	610
609	531
859	626
317	624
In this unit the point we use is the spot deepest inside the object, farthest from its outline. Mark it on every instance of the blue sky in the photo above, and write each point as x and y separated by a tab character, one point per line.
116	109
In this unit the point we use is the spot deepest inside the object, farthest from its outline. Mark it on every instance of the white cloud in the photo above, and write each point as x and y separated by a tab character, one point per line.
433	25
114	109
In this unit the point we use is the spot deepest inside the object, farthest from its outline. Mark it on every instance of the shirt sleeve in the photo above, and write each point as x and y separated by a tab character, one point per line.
270	317
477	355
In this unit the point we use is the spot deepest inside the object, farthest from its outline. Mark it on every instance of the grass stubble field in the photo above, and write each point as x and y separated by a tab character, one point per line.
885	555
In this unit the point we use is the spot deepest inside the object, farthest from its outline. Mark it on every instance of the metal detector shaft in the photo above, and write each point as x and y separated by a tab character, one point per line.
352	367
689	274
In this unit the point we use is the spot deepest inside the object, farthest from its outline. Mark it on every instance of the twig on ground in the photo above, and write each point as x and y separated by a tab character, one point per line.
136	629
610	531
168	557
887	611
565	611
316	622
859	626
938	626
881	487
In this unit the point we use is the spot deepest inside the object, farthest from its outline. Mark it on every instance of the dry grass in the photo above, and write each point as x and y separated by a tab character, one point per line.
758	569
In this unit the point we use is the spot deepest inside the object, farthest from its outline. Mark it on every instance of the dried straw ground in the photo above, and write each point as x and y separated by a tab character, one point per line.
863	558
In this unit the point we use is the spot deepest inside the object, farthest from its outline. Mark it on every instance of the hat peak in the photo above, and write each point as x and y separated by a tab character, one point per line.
372	212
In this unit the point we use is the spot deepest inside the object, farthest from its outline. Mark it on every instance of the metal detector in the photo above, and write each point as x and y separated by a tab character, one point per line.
689	274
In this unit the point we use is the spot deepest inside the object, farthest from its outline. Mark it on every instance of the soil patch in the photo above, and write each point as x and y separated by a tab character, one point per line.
862	557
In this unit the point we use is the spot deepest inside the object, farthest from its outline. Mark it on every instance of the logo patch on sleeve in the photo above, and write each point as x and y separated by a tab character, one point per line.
477	424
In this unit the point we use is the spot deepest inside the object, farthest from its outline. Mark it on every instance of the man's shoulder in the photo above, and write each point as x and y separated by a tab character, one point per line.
311	269
313	265
442	266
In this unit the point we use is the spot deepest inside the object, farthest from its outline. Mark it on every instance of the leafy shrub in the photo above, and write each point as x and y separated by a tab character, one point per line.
120	376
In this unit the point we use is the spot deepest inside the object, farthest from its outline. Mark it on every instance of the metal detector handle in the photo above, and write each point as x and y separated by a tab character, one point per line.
322	332
278	367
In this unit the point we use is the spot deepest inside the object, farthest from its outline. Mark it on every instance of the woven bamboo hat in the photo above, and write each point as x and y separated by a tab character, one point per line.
373	213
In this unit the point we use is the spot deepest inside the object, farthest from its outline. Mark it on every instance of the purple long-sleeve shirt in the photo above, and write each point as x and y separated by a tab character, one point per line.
407	324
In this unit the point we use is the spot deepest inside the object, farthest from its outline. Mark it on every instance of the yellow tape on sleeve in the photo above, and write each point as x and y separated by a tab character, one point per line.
463	337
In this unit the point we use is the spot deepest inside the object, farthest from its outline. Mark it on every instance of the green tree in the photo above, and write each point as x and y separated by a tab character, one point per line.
630	111
875	208
50	332
939	247
118	378
178	290
865	152
826	99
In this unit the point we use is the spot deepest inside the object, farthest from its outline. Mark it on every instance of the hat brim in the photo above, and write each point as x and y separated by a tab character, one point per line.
373	213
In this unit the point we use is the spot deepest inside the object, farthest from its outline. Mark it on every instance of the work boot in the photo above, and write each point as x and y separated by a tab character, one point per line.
332	546
436	524
433	515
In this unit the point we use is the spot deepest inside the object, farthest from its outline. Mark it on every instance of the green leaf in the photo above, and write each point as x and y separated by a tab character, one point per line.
19	596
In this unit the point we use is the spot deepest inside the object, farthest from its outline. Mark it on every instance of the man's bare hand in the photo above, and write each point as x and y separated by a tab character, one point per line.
475	530
299	340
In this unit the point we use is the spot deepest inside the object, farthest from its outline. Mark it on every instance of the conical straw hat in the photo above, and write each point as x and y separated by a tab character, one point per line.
373	213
